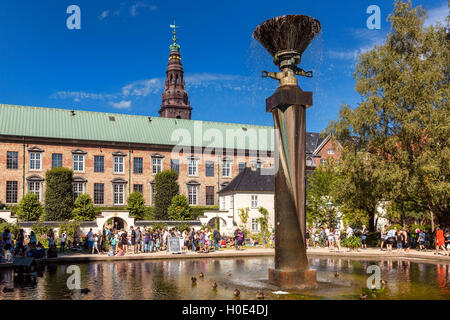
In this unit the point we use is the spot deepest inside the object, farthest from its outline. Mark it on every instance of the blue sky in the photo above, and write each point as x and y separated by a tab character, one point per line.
117	61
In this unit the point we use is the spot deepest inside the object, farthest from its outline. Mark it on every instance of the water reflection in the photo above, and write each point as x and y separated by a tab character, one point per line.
171	279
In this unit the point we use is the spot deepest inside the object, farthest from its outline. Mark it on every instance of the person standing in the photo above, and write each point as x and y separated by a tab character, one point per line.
421	240
383	237
331	239
440	241
113	243
133	239
95	247
51	238
138	236
216	240
236	239
364	237
337	238
32	238
90	237
63	241
390	239
19	242
124	241
406	240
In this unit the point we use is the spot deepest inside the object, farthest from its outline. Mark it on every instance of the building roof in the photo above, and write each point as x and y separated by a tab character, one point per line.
250	180
24	121
313	140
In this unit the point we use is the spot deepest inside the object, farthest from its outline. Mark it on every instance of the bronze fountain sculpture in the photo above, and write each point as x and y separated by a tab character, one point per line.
286	38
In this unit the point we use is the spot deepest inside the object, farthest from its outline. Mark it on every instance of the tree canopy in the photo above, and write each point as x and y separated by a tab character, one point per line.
166	187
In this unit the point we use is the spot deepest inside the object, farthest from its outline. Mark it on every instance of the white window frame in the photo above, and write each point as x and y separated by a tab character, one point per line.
255	225
231	202
119	191
35	187
152	193
119	164
78	159
330	151
254	201
226	167
156	165
80	188
192	194
192	167
35	161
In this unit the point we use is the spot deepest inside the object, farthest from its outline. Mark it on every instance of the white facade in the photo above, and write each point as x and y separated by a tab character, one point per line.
229	205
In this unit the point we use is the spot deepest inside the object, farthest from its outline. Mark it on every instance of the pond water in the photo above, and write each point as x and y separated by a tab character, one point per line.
171	279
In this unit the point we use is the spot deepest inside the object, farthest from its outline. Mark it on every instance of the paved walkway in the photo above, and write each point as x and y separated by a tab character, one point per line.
370	253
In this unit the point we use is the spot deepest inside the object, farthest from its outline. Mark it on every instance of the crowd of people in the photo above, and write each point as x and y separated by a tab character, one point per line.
401	239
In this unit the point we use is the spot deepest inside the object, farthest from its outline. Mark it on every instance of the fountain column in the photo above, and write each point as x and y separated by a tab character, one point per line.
286	38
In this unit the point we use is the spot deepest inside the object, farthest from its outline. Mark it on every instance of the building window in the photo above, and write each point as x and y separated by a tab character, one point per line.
231	202
78	162
209	169
323	161
12	160
209	196
119	189
138	188
99	164
138	165
192	167
118	165
35	161
35	187
78	188
242	166
223	203
255	225
156	165
11	191
175	165
193	195
330	151
254	201
99	193
56	160
226	168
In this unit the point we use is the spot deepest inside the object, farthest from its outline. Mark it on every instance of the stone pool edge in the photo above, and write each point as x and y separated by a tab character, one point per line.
244	254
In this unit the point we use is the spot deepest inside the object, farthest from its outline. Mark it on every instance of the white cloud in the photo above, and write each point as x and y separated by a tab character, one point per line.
81	95
438	14
134	10
104	14
121	105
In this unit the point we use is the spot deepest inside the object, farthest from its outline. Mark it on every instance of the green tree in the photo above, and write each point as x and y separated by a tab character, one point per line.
179	208
71	229
29	208
58	194
166	187
320	190
136	205
401	124
84	208
264	220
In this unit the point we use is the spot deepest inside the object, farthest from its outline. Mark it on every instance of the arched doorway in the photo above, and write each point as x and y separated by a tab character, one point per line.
216	223
116	223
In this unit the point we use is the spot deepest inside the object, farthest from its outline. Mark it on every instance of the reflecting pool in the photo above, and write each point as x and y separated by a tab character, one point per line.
339	278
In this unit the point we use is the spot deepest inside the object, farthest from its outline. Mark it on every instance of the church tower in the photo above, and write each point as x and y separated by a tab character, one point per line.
175	100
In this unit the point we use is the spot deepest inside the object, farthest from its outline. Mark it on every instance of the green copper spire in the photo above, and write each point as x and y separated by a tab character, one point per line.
174	46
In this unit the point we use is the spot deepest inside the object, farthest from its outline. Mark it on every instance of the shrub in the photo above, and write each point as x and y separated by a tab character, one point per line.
149	213
179	208
58	194
184	226
136	205
166	187
29	208
70	228
392	226
84	208
264	220
158	226
42	232
199	210
13	228
352	242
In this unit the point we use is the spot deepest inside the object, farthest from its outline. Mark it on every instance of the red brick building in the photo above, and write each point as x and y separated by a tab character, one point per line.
113	155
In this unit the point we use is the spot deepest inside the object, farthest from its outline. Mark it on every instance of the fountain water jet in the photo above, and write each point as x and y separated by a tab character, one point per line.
286	38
